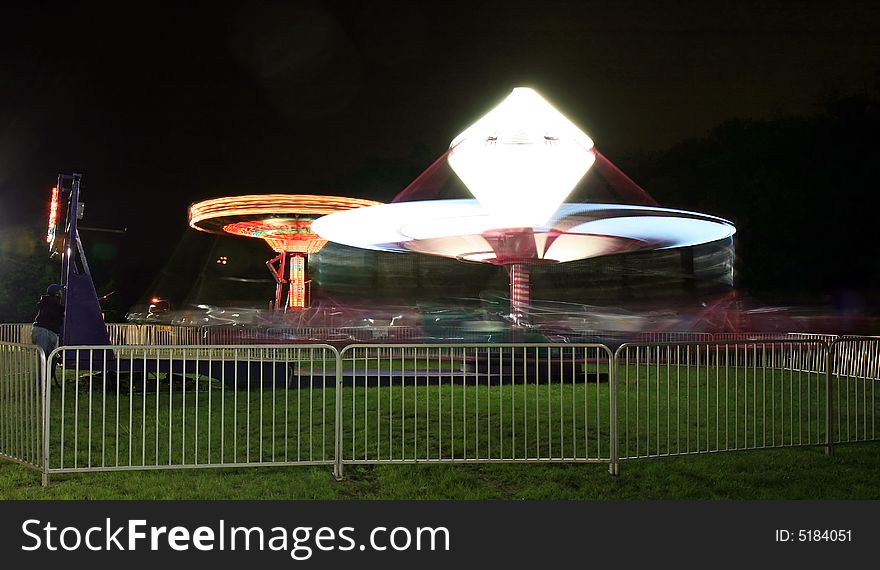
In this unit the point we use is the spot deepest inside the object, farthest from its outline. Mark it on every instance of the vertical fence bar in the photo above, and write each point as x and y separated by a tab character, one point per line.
829	400
614	466
337	445
44	380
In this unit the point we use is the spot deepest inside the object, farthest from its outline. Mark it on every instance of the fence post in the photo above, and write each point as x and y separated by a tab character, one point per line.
337	446
614	466
46	371
829	400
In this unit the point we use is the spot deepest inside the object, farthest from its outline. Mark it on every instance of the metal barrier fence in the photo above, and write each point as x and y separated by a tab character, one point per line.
21	403
153	407
685	398
125	334
16	332
187	406
245	335
475	403
136	334
211	335
172	335
673	337
855	376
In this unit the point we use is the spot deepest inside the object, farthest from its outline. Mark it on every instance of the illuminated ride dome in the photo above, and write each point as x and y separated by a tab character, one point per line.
520	162
284	222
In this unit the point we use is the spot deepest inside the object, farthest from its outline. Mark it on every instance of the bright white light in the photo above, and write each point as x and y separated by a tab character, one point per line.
475	224
478	256
457	229
522	159
670	231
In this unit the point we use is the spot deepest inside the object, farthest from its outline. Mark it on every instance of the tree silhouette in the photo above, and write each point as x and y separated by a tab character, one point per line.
799	190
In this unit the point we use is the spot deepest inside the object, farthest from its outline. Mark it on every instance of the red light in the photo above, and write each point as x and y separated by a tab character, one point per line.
155	300
53	217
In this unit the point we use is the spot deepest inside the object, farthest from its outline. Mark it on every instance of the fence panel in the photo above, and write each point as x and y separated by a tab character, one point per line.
122	334
19	333
767	336
21	403
855	374
152	407
673	336
267	334
475	403
167	335
684	398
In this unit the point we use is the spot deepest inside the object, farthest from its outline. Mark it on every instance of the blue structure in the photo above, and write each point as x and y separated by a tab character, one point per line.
83	320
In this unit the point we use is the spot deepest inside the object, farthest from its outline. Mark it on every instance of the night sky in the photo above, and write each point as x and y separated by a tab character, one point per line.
162	104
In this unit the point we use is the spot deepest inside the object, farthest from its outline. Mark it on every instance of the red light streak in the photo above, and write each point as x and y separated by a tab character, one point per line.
53	216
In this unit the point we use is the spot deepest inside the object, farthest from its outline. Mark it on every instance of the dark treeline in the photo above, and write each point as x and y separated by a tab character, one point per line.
801	190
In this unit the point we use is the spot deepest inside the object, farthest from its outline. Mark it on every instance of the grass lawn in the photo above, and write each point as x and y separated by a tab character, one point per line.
799	473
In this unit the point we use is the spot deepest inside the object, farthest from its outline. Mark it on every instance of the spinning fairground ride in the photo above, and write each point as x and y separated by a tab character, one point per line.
284	222
520	164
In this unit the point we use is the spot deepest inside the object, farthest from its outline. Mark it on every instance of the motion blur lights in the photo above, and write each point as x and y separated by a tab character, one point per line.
201	214
284	222
521	162
291	234
522	159
53	217
485	256
461	229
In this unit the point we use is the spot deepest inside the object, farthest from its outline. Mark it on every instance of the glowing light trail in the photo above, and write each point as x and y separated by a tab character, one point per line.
284	222
520	161
53	218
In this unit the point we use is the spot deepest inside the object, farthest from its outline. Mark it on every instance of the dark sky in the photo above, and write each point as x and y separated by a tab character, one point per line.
161	104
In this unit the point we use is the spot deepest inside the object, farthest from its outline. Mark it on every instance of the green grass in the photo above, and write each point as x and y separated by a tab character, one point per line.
802	473
523	421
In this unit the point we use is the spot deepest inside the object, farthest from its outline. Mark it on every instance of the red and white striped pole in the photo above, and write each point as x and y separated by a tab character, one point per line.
297	294
519	293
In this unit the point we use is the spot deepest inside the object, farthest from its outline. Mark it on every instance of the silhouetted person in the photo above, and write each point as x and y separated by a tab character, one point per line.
50	319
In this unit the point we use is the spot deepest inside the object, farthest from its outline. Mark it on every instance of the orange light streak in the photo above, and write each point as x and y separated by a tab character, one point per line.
53	216
292	235
269	204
